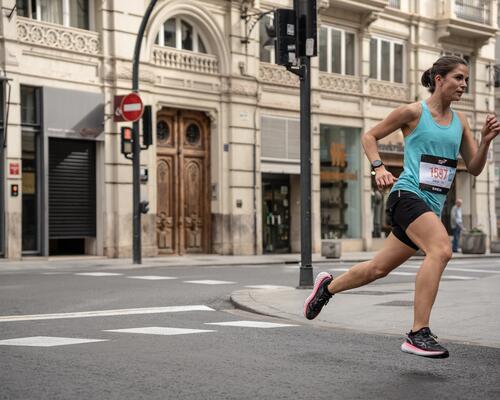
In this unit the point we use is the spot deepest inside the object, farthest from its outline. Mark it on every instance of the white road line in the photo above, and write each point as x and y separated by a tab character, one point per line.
47	341
210	282
402	273
151	277
485	271
98	274
105	313
159	330
250	324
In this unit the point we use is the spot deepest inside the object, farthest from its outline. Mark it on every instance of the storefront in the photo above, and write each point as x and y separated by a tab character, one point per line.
340	182
60	131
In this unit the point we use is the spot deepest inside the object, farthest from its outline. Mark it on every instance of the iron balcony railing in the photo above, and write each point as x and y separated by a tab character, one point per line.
474	10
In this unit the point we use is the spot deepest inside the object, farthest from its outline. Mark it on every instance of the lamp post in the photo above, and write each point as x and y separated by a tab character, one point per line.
136	149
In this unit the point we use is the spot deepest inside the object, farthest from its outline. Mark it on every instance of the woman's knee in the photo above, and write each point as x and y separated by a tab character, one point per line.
442	252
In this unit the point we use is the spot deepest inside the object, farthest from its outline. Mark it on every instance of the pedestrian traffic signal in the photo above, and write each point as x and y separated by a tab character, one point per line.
126	140
306	27
147	127
285	20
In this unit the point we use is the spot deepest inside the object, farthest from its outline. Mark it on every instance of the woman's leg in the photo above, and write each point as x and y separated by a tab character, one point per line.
429	233
392	255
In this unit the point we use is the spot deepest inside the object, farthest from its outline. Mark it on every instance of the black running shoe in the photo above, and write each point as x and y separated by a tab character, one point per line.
319	296
424	343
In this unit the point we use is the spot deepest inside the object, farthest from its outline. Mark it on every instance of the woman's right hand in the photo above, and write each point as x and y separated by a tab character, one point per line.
384	178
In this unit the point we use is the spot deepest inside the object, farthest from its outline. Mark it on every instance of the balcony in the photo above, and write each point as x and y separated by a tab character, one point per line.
369	9
277	75
57	36
185	60
389	90
472	19
340	83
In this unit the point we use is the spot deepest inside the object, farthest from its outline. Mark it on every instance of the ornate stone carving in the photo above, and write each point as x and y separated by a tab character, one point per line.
388	90
59	37
340	83
185	60
269	73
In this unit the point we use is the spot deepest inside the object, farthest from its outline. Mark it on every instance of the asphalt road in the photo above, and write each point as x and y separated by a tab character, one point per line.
136	346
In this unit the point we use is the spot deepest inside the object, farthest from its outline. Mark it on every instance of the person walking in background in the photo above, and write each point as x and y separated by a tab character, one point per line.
434	136
456	223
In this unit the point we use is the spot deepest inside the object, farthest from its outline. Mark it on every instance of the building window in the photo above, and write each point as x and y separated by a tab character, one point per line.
337	49
395	3
74	13
467	59
387	60
266	42
29	105
340	182
182	35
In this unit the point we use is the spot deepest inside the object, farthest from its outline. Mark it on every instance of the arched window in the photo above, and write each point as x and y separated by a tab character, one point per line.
180	34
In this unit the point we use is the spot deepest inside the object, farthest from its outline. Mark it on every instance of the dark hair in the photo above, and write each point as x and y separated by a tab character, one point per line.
442	66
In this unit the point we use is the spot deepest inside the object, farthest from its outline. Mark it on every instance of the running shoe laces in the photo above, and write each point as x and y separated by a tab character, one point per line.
424	343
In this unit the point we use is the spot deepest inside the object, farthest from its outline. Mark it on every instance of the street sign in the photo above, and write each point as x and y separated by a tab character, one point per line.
131	107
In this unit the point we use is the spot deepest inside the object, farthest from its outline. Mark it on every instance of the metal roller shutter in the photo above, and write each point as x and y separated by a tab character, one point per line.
72	189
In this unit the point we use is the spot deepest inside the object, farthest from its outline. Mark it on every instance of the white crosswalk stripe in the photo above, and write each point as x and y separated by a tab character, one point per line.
160	330
47	341
210	282
152	277
99	274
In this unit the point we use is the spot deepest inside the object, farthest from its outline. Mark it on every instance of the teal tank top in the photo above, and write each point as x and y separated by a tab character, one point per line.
441	145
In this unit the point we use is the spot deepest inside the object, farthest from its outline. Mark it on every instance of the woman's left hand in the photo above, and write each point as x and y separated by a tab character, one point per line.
491	128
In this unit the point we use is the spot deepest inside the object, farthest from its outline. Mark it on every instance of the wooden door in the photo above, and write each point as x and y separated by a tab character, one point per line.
183	213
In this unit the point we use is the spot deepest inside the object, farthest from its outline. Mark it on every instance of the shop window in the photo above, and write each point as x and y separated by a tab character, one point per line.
337	49
340	182
182	35
387	60
74	13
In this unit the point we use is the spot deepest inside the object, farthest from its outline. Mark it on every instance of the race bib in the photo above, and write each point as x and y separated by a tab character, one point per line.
436	173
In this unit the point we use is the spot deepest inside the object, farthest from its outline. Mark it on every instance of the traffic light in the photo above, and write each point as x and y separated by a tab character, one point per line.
126	140
284	20
147	128
306	27
144	207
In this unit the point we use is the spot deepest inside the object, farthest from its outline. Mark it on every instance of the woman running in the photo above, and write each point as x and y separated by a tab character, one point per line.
434	135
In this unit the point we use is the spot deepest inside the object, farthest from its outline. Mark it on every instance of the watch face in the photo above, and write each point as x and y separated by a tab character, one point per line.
376	163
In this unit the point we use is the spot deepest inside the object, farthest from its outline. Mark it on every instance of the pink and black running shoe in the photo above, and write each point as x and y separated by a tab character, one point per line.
423	343
319	296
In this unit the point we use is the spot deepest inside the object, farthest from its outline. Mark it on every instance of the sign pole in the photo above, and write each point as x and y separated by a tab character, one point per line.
136	166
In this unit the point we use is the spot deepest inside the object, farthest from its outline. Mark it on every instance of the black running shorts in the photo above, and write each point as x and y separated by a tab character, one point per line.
402	209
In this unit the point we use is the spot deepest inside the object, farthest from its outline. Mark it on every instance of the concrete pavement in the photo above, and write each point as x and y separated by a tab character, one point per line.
465	311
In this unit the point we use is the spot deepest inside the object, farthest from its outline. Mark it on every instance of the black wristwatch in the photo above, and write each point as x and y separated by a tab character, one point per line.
376	164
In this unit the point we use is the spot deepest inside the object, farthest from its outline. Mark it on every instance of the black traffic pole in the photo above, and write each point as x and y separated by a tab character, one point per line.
306	271
136	146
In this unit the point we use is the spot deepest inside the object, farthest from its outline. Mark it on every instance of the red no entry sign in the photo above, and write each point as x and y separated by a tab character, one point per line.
131	107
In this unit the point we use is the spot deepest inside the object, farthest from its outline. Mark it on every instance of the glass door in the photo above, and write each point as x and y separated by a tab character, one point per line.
30	213
276	213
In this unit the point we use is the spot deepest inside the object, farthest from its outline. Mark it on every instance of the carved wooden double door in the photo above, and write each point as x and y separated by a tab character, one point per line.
183	165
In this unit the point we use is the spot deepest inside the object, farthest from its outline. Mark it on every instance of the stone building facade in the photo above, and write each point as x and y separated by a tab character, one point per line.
223	172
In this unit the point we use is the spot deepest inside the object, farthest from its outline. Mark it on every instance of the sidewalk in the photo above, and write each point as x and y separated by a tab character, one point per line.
465	311
197	260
